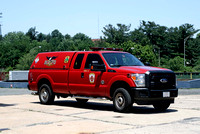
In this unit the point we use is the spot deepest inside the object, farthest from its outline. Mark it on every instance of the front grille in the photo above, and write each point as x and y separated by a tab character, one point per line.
161	80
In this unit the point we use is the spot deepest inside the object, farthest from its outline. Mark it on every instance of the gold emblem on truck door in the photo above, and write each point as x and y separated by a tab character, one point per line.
91	77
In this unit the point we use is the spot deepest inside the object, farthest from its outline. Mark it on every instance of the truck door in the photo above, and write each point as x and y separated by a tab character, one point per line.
76	74
92	79
83	81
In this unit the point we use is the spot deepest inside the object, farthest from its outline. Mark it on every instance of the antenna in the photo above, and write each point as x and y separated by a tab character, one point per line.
98	26
0	25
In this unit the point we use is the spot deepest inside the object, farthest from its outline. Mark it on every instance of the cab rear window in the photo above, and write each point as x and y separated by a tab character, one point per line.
93	58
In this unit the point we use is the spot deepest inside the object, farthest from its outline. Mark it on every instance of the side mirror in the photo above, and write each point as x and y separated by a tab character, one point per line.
98	67
147	64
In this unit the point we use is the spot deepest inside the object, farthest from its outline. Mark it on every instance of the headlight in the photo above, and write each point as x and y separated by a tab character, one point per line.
139	79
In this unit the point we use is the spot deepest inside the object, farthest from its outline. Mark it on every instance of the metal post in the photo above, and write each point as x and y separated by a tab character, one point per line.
184	52
191	75
184	47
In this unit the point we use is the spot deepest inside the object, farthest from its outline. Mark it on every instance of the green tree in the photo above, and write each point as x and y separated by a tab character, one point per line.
82	42
147	42
26	60
168	42
117	35
55	39
13	46
40	37
197	65
138	36
66	45
32	33
176	64
67	36
144	53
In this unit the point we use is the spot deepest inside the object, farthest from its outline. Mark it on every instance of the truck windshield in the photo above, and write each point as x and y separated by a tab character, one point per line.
121	59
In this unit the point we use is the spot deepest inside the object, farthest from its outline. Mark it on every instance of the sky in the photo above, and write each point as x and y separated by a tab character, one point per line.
90	16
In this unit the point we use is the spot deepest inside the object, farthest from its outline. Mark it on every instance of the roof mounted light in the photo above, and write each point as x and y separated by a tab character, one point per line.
103	48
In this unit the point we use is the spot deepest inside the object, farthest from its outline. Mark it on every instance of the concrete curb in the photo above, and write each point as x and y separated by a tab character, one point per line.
13	84
189	84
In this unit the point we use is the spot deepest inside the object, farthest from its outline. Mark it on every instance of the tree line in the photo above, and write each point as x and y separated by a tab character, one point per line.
158	45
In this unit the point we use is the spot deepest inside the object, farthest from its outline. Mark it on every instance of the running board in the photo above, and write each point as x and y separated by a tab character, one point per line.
88	98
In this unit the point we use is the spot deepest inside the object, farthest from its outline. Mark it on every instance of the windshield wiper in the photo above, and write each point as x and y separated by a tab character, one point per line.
135	65
112	65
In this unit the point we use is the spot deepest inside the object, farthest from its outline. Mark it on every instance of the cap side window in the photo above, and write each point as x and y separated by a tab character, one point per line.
78	61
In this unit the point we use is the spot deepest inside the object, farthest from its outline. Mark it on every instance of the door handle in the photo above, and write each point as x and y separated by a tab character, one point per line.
82	75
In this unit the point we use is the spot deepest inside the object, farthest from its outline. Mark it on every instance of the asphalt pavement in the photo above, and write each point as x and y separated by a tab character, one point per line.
14	91
22	113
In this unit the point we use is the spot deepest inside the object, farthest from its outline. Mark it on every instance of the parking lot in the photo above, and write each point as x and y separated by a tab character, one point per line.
21	113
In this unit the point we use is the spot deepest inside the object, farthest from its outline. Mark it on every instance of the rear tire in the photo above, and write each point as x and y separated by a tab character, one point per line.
160	107
122	100
46	95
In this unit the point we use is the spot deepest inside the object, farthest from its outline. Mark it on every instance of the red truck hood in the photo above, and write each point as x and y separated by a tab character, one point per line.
139	69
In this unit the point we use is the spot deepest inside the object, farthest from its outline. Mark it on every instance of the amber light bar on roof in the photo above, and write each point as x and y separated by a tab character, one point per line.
103	48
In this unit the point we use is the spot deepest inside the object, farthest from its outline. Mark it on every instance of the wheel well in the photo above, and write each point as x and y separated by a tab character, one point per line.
119	84
43	81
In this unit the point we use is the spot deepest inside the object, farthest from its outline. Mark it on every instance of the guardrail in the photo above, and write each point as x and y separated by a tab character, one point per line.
188	76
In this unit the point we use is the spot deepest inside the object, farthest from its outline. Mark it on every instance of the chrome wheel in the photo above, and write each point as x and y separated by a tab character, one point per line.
120	100
44	95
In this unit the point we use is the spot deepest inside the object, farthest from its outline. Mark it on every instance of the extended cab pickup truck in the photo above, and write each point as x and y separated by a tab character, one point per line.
115	75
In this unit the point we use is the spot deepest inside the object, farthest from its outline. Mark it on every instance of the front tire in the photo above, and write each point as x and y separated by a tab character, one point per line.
122	100
46	95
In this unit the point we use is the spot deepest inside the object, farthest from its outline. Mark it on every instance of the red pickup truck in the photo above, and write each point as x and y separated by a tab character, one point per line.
104	72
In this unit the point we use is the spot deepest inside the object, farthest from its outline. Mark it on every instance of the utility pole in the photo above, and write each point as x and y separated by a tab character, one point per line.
185	40
184	47
98	28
